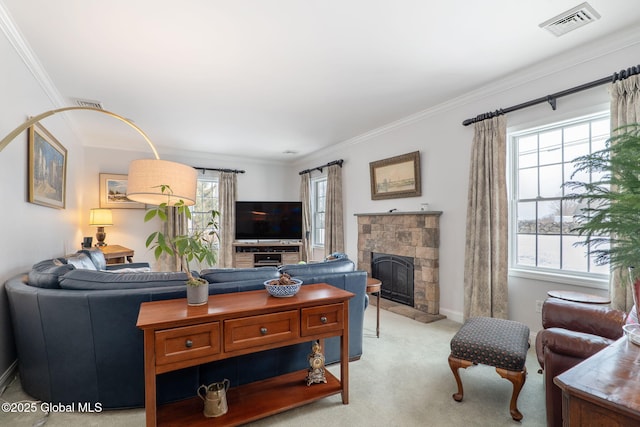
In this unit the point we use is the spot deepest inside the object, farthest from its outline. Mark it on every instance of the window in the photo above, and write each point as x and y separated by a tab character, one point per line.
542	217
206	200
318	197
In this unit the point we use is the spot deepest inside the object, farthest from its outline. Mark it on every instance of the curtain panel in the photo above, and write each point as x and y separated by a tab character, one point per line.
175	225
625	110
305	198
227	196
333	221
486	250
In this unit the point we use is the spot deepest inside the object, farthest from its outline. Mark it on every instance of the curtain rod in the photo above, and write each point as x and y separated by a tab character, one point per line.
218	170
551	99
319	168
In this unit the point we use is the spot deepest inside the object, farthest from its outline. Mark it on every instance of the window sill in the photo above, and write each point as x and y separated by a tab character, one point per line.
565	279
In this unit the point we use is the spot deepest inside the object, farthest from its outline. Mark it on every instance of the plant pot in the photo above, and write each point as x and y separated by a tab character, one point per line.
197	295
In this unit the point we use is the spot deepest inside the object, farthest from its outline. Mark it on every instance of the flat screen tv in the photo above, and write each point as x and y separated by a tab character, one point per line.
268	220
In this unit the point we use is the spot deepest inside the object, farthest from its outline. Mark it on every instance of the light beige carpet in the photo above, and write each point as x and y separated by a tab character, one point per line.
402	379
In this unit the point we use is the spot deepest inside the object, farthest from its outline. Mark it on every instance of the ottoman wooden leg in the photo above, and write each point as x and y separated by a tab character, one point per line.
517	379
455	364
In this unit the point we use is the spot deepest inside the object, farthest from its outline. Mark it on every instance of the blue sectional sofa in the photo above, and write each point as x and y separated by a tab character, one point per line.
74	323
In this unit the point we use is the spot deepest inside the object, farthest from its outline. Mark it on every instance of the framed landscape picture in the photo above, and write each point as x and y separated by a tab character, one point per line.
47	169
396	177
113	192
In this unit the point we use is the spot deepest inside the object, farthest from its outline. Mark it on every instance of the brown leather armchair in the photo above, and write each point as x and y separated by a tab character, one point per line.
572	332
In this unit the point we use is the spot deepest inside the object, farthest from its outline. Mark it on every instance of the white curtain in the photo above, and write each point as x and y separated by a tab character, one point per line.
625	109
333	220
485	267
305	198
227	196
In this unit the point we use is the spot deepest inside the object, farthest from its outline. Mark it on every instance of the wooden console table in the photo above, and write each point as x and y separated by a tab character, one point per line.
603	390
177	336
116	254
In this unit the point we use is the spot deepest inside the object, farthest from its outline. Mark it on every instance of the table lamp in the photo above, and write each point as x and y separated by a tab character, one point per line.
100	218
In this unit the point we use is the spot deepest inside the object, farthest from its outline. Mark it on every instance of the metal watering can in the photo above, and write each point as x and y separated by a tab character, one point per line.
215	398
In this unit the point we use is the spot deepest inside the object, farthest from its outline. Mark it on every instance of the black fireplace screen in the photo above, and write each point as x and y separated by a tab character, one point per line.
396	274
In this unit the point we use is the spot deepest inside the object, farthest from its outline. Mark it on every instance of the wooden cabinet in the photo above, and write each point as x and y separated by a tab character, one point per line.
603	389
116	254
250	255
177	336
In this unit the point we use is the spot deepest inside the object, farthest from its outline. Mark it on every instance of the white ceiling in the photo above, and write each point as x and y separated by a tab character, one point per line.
257	78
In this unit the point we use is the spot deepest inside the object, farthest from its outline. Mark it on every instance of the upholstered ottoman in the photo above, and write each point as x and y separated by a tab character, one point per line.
494	342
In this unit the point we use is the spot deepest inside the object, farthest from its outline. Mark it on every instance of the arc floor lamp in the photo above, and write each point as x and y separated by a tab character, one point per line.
145	175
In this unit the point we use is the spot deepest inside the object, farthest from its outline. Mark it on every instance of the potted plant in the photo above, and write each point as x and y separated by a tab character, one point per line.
188	247
610	216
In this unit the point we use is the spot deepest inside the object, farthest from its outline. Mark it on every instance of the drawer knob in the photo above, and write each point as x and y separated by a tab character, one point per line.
263	331
323	319
188	343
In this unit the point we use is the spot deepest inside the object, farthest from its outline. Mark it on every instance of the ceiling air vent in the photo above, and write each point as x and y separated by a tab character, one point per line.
577	17
87	103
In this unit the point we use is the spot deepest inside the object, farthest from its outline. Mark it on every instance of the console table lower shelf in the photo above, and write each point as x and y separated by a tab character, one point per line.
178	336
252	402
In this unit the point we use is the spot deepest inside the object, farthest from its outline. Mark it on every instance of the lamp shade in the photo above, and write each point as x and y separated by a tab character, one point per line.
146	176
100	217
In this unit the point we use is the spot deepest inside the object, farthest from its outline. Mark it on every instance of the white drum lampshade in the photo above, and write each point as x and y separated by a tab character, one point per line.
146	176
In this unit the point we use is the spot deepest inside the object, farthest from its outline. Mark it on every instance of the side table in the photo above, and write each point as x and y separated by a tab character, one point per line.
116	254
373	287
579	297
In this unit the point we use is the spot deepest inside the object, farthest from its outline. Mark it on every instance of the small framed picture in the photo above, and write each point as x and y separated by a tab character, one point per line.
113	192
396	177
47	169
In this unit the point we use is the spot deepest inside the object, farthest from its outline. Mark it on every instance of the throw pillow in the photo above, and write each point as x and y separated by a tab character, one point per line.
221	275
45	274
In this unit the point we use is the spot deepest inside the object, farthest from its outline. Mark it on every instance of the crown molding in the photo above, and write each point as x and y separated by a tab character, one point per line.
25	52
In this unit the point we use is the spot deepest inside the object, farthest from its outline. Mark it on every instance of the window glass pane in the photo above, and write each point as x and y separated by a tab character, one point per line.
528	183
574	257
528	151
526	249
549	251
599	269
549	217
551	182
570	208
550	147
527	217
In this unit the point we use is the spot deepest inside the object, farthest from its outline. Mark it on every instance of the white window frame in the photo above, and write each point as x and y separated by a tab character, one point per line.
584	279
314	210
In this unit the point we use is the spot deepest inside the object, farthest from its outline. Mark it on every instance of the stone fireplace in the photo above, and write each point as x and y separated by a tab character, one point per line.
413	235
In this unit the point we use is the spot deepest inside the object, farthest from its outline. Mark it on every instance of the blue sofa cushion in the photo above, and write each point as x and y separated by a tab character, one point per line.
45	274
221	275
320	268
88	279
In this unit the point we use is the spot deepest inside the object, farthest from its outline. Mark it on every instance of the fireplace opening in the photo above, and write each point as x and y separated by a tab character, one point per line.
396	274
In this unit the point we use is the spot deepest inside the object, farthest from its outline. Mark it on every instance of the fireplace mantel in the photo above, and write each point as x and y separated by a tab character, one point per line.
438	213
411	234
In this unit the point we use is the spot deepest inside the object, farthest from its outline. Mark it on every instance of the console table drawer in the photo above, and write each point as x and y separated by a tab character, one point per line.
186	343
325	318
260	330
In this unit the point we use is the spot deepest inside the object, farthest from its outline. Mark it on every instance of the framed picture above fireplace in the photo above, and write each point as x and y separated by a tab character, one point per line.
396	177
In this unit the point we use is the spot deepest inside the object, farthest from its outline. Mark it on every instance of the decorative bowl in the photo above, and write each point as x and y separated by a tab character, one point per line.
632	331
283	290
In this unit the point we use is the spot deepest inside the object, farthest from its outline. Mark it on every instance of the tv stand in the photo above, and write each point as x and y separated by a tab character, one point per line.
263	254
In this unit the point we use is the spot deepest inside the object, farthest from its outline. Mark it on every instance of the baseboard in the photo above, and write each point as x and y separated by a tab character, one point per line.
456	316
8	375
